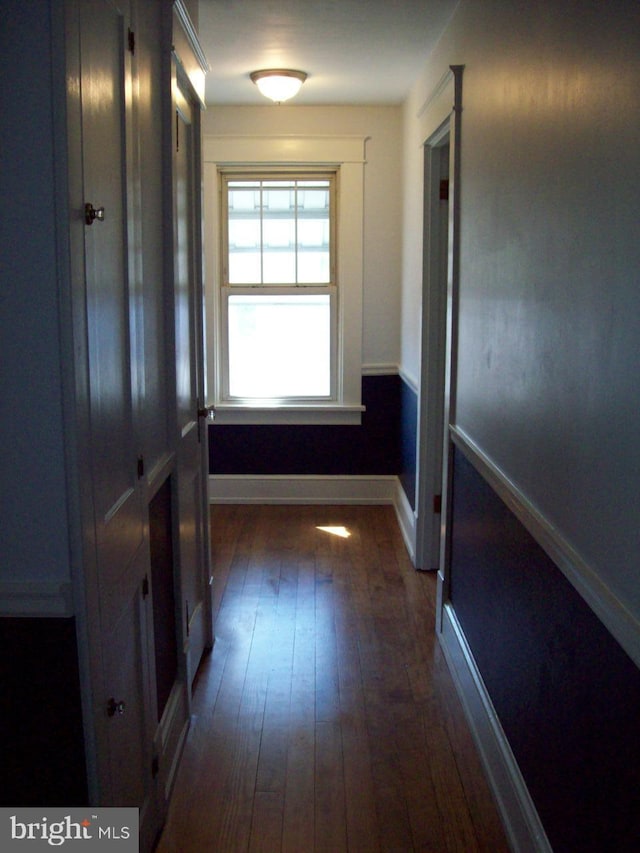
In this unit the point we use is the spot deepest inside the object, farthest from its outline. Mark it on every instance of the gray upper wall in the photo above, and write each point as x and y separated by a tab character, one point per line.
34	543
549	379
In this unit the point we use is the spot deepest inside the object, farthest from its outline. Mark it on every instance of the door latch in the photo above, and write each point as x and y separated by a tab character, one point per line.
115	708
206	412
92	213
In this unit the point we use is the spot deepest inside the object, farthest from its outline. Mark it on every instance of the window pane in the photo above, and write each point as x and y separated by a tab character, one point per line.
279	240
279	346
278	199
313	268
279	266
313	200
244	199
244	250
313	251
244	268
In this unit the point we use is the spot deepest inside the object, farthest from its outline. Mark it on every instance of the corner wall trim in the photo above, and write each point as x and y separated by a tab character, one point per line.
191	34
520	818
440	89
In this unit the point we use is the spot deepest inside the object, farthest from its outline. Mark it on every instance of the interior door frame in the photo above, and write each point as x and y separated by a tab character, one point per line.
441	118
436	260
451	347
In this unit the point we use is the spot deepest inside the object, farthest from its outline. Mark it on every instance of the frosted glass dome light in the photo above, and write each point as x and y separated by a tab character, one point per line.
279	84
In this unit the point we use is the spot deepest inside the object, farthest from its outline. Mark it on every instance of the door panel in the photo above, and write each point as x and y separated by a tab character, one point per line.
192	430
191	559
123	660
118	519
128	706
186	355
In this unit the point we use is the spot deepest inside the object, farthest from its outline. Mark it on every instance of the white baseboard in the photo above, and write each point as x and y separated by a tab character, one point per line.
301	489
406	520
520	818
38	599
311	489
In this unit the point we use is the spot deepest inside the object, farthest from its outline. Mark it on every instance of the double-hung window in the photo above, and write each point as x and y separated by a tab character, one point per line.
284	271
279	288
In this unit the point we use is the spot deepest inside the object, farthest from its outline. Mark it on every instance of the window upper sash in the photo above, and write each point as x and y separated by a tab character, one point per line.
278	228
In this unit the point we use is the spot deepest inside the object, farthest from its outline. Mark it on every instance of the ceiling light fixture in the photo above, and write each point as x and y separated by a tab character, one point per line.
279	84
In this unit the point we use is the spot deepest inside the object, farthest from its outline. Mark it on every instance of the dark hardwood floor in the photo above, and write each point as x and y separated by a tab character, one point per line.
325	718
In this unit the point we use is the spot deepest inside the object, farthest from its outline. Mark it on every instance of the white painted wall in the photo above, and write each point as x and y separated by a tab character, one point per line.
549	371
412	241
382	221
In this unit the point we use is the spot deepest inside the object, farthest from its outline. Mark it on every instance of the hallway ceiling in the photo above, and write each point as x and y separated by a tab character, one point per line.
354	51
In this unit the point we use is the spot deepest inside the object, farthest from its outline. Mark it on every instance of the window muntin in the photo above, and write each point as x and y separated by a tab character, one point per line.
279	293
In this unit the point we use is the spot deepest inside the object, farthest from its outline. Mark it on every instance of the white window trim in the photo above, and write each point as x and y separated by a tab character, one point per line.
346	153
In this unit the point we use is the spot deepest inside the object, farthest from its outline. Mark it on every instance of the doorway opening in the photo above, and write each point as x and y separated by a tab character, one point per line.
436	269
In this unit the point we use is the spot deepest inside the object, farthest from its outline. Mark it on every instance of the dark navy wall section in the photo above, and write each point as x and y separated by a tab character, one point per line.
567	695
408	439
42	759
370	448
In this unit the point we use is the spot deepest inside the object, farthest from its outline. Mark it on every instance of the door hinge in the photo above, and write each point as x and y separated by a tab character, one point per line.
444	189
140	467
437	504
145	586
131	41
155	766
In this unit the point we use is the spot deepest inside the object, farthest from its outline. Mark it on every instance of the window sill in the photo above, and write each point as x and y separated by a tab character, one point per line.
230	413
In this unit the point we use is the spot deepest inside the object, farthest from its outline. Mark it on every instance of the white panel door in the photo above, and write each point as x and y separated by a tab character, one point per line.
192	427
120	703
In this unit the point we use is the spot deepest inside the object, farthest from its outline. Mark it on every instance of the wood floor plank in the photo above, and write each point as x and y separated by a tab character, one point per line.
363	833
299	807
361	816
266	825
327	689
272	764
330	824
450	796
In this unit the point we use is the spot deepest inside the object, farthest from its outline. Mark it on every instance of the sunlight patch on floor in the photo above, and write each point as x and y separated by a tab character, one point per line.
336	531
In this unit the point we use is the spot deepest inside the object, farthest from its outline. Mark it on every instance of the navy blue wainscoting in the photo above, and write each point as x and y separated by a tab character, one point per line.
368	449
567	695
42	759
408	441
